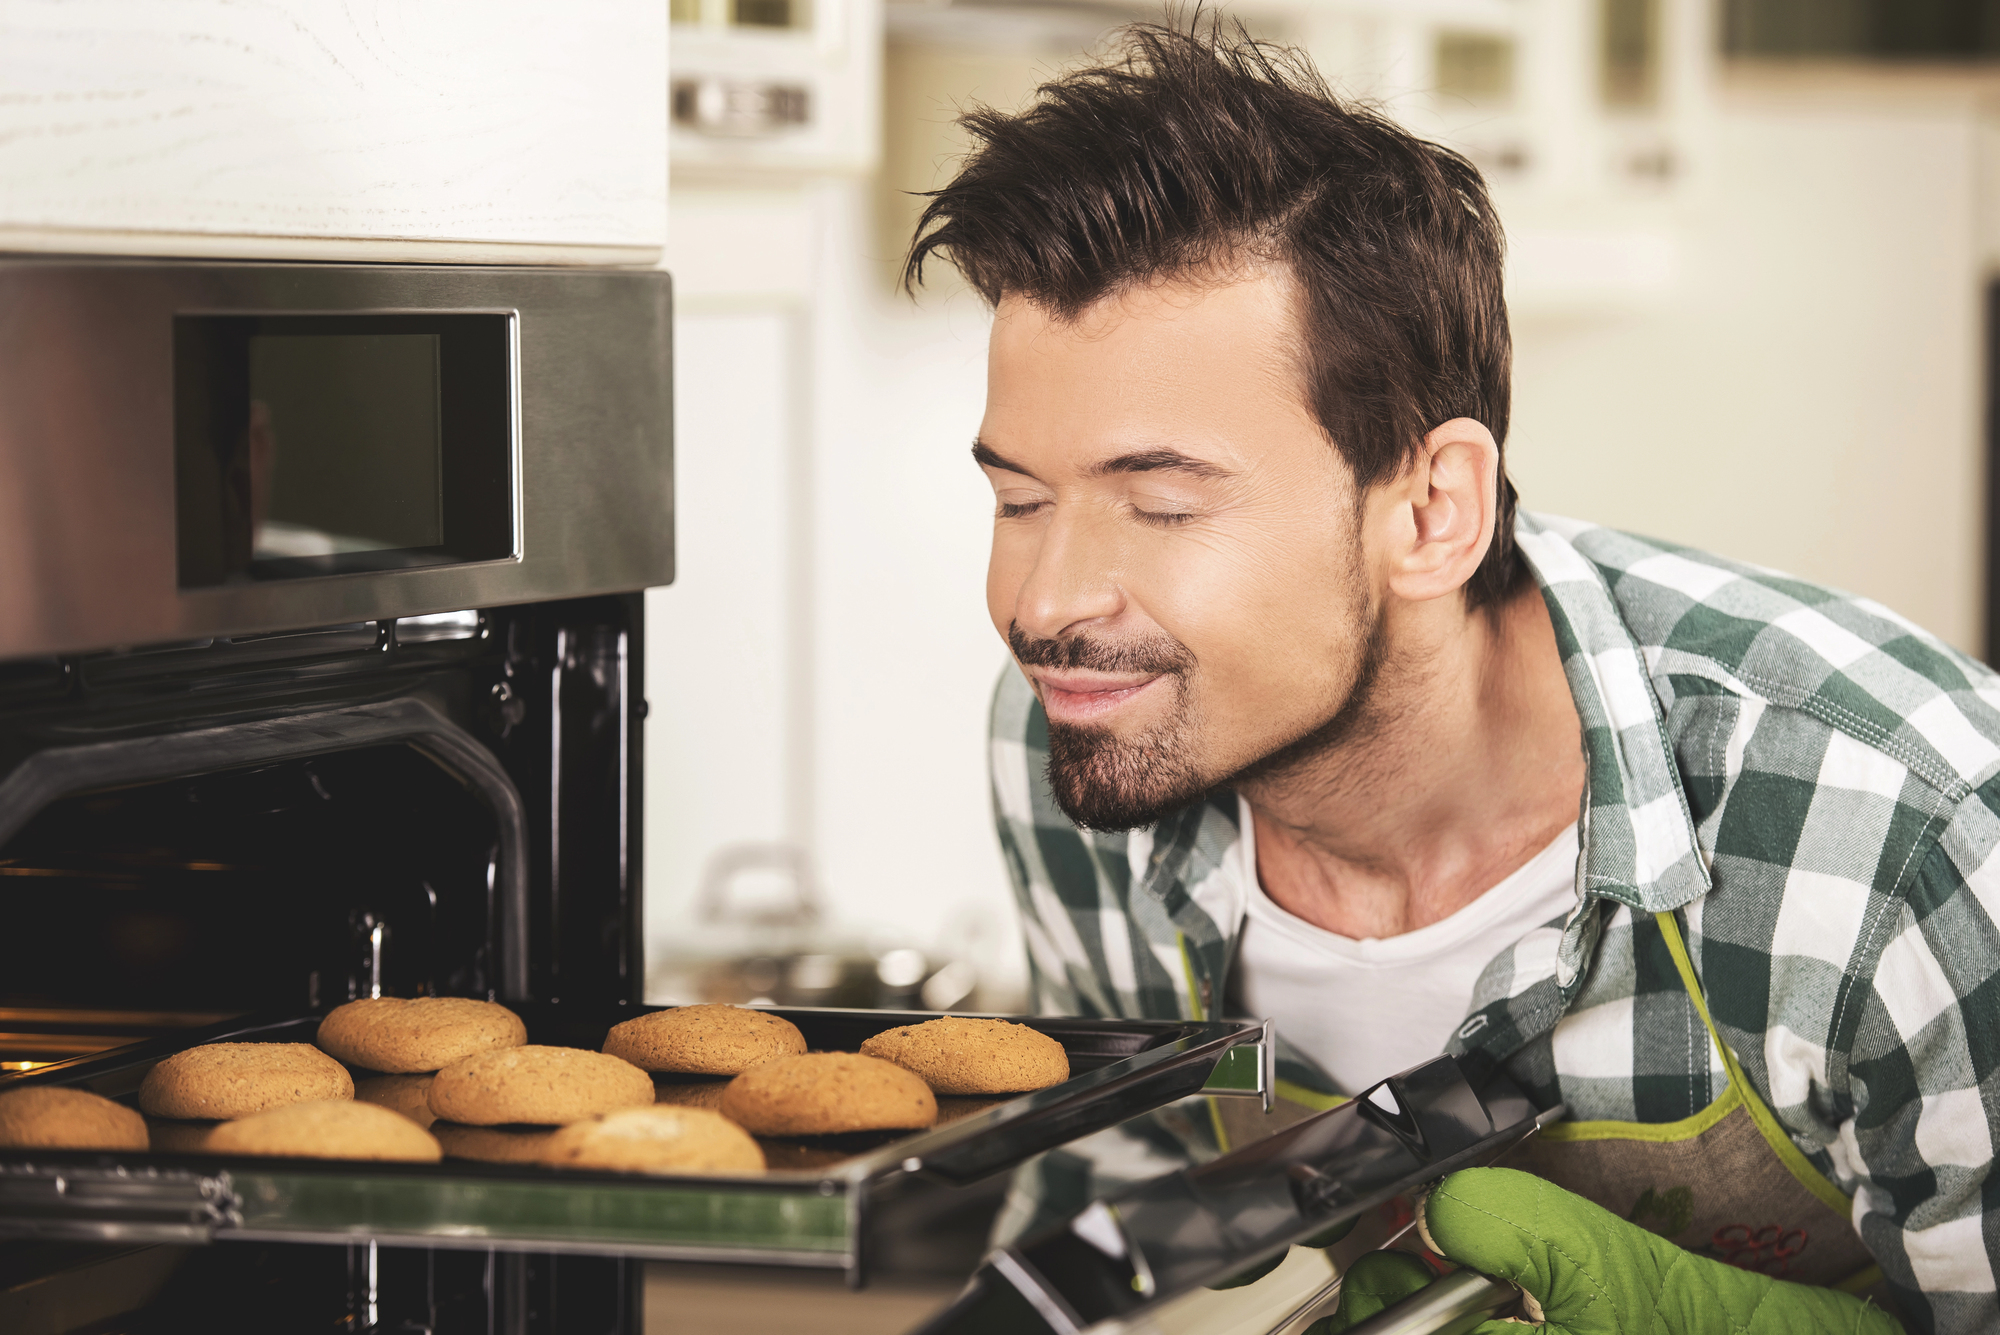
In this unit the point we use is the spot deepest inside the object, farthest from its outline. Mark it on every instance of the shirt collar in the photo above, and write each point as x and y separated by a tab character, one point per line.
1638	838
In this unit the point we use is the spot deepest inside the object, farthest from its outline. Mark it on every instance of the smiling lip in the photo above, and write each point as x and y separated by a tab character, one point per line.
1085	697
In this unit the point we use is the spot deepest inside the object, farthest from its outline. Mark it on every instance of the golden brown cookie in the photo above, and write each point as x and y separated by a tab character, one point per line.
545	1086
51	1117
954	1108
704	1040
803	1156
230	1080
694	1092
167	1136
327	1129
493	1144
823	1093
961	1056
409	1095
418	1034
659	1139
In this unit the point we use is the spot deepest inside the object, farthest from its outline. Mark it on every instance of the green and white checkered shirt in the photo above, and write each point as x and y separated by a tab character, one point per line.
1809	781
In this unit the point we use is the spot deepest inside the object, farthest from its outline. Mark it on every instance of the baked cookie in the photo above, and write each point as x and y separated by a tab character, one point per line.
327	1129
167	1136
542	1085
230	1080
493	1144
954	1108
418	1034
803	1156
960	1056
824	1093
704	1040
409	1095
50	1117
659	1139
696	1093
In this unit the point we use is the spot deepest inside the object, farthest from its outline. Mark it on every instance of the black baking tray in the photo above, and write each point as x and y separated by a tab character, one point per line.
801	1215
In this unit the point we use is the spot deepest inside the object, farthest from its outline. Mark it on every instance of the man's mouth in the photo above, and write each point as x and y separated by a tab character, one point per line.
1078	696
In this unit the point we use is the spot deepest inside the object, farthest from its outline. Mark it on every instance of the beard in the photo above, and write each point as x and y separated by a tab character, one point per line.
1103	781
1112	784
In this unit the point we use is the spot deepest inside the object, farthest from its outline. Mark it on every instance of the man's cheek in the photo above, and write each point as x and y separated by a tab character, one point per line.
1272	665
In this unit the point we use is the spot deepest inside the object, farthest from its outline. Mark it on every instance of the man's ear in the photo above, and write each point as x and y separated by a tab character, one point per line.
1447	502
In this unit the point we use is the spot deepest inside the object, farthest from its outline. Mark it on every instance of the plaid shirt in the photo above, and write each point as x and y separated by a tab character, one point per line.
1810	781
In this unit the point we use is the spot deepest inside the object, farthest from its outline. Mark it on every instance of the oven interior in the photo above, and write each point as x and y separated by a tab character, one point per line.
273	825
299	884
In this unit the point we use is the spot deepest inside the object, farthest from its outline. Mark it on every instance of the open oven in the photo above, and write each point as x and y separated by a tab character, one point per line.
321	652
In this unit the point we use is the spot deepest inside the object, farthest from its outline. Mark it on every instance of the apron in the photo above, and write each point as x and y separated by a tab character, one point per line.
1726	1183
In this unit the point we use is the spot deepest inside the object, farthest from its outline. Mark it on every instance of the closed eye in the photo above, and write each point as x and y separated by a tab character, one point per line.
1162	518
1017	509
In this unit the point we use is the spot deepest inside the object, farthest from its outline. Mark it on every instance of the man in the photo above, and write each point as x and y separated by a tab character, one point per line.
1308	722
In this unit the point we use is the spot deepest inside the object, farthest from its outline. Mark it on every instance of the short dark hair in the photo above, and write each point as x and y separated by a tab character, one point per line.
1185	148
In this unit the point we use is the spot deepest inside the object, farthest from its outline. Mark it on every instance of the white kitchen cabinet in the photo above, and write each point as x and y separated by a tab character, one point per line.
725	735
461	130
768	91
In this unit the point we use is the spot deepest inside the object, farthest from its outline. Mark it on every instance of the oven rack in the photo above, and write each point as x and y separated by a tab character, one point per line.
816	1217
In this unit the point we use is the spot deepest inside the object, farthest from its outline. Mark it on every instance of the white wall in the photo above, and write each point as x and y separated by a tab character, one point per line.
1807	396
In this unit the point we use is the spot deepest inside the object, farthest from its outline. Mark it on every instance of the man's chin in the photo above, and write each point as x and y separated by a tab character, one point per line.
1111	787
1115	812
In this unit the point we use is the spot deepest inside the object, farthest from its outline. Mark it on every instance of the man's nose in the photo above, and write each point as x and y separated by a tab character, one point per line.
1076	578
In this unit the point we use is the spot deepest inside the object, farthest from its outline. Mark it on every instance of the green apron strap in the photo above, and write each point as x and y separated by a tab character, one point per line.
1200	1013
1774	1135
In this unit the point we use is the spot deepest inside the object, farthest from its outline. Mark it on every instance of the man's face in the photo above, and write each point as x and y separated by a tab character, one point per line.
1178	562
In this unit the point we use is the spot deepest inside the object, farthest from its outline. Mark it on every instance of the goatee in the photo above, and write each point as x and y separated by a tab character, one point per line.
1112	784
1103	781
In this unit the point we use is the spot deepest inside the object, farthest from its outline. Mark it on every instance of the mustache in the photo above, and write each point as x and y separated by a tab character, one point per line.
1158	654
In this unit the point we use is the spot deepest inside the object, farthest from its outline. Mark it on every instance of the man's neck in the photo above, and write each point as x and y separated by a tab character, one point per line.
1468	761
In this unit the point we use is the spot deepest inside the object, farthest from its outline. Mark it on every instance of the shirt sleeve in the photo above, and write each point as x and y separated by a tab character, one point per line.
1924	1085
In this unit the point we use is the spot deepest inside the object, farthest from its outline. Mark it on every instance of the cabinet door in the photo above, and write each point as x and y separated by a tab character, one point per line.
724	655
498	130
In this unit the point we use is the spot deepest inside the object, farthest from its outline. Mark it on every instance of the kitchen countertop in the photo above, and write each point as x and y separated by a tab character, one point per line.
742	1300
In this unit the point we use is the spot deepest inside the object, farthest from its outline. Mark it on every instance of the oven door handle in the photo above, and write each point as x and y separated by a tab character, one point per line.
1147	1244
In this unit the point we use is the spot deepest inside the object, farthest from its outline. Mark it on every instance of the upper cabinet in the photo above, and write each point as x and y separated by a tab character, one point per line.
451	130
1590	119
765	90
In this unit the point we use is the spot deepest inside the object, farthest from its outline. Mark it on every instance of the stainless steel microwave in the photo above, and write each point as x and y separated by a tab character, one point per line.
194	451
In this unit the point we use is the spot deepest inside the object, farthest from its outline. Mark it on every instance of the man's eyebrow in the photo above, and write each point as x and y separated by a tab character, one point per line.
1161	460
988	457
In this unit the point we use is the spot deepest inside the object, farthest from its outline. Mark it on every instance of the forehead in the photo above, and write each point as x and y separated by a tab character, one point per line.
1200	363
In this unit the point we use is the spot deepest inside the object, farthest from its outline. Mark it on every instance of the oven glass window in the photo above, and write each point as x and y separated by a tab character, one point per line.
322	445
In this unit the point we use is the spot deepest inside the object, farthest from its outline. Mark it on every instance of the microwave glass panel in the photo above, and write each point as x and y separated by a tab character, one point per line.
321	445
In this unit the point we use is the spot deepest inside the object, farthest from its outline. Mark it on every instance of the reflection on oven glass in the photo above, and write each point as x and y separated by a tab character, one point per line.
320	445
345	449
276	540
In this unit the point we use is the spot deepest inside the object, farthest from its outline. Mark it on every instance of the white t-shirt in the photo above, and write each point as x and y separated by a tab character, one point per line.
1365	1010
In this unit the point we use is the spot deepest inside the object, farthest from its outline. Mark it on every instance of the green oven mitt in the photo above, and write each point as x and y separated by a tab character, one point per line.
1584	1271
